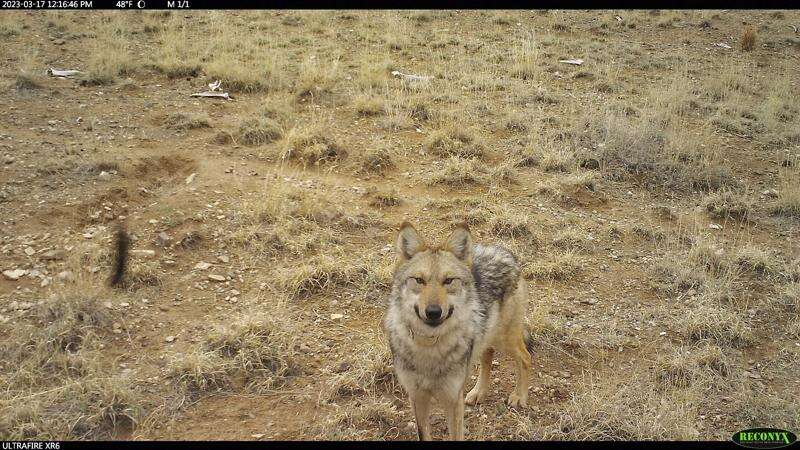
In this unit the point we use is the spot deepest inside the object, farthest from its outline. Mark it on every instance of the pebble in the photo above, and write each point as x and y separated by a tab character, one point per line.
256	435
53	255
190	178
169	339
162	239
202	265
218	278
224	259
30	251
105	176
15	274
148	253
337	316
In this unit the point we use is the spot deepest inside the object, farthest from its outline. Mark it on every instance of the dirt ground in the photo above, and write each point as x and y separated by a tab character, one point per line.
653	193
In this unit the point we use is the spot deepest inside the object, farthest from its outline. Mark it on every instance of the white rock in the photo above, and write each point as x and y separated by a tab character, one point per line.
30	251
258	435
337	316
218	278
190	178
15	274
202	265
105	176
148	253
224	259
169	339
65	276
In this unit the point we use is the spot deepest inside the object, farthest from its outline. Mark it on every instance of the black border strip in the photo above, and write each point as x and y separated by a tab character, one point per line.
184	5
299	445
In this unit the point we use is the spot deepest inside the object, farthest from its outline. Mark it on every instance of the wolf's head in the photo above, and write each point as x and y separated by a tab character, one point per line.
433	281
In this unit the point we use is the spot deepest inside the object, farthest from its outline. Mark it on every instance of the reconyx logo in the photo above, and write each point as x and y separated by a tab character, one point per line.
764	438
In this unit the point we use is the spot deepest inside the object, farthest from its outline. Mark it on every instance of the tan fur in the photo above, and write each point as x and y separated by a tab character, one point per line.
422	274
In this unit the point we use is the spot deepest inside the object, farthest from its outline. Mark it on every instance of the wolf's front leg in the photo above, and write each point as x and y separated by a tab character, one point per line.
454	408
421	406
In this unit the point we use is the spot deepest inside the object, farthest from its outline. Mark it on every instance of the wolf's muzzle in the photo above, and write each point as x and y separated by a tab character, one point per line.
433	317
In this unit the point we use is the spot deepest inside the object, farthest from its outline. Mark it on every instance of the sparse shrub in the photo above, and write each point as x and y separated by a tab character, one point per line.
748	39
454	141
377	160
754	260
258	131
256	350
458	172
526	59
184	121
317	77
558	267
310	145
728	205
711	322
369	105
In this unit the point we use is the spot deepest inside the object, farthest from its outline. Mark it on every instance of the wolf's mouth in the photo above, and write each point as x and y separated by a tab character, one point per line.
434	323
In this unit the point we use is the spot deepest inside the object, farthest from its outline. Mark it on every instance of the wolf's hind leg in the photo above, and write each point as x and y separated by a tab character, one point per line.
522	365
478	393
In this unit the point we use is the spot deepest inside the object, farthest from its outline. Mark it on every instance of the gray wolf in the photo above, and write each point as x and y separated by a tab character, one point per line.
450	306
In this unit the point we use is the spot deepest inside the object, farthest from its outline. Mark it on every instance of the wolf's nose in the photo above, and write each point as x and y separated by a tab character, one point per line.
433	312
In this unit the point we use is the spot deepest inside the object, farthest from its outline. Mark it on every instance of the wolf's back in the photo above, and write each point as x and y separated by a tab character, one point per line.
496	271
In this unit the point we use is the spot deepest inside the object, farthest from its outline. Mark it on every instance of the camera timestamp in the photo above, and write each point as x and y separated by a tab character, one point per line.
46	4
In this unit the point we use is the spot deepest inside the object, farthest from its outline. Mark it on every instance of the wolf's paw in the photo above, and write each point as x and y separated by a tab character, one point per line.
474	397
517	401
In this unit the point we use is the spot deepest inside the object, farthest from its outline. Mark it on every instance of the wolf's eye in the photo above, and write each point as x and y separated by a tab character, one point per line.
419	280
448	281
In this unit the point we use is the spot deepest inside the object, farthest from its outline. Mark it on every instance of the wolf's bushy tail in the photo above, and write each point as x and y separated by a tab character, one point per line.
528	338
121	246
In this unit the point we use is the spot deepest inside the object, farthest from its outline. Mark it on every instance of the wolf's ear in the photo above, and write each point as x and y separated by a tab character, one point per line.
460	243
409	242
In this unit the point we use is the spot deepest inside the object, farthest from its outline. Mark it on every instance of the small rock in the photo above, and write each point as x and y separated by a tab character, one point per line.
224	259
256	435
202	265
65	276
52	255
148	253
218	278
15	274
105	176
715	226
162	239
169	339
30	251
59	42
337	316
344	366
190	178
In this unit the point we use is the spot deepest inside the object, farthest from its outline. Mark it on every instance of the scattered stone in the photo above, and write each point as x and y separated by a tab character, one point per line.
66	276
344	366
162	239
218	278
202	265
256	435
105	176
190	178
15	274
169	339
772	193
147	253
337	316
30	251
52	255
715	226
224	259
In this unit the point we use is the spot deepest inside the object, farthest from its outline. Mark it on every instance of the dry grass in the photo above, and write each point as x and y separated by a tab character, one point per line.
258	131
640	149
255	351
748	39
111	56
728	205
711	322
56	384
788	201
317	77
616	409
311	145
561	266
370	375
455	141
187	121
457	172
